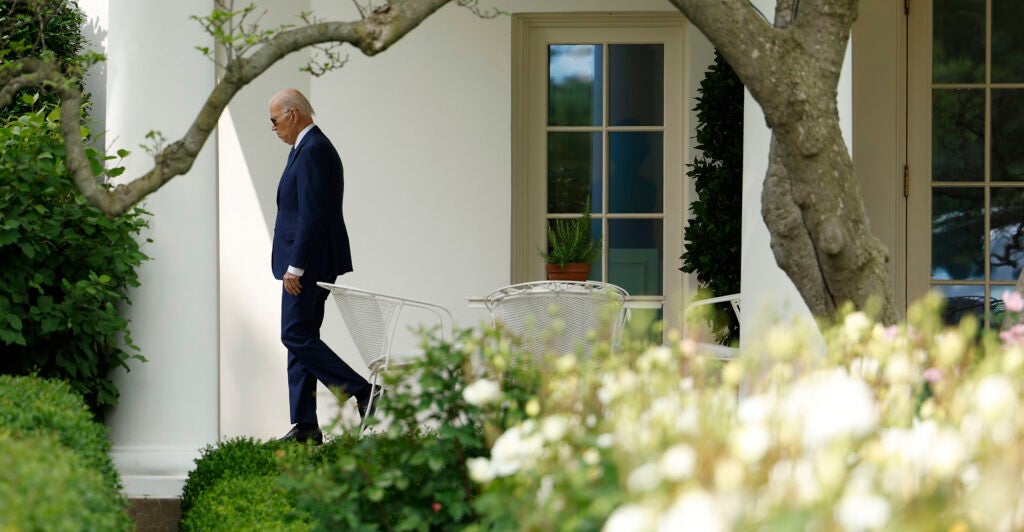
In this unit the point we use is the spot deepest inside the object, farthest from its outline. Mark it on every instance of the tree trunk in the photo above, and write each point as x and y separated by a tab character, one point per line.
811	201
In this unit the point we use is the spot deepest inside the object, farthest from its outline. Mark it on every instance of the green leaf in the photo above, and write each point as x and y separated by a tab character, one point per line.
14	321
114	172
122	153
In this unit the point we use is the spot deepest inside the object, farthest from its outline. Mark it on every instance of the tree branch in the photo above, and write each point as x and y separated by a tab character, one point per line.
744	37
373	34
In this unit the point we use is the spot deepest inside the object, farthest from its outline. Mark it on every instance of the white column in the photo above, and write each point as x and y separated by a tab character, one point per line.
768	293
168	409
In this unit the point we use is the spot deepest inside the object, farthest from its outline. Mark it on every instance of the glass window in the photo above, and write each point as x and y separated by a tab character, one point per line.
958	41
636	85
574	84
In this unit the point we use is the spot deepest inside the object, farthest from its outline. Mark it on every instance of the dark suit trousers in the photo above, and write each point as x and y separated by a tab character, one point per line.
309	358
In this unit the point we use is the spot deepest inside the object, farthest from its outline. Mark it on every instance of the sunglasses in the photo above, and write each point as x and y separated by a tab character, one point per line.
274	120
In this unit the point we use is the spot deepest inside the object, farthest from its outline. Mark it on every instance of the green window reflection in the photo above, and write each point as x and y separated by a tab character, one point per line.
1007	158
958	233
636	79
636	166
574	171
575	85
635	253
958	41
958	135
1006	224
1007	41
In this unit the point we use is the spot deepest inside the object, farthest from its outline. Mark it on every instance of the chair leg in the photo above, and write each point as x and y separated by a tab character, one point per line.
369	405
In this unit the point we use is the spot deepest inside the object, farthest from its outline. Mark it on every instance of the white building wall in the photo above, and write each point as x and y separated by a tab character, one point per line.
168	405
424	131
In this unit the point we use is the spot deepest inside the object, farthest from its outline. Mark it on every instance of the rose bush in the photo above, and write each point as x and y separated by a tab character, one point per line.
910	427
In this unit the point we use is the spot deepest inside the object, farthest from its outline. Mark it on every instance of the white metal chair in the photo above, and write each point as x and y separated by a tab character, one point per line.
721	351
372	319
558	316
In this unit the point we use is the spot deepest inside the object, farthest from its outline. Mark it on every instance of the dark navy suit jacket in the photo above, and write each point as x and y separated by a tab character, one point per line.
310	232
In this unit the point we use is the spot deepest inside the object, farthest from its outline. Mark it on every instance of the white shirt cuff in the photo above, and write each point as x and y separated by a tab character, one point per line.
296	271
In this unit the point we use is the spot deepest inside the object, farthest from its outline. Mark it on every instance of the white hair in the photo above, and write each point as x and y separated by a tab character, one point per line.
292	99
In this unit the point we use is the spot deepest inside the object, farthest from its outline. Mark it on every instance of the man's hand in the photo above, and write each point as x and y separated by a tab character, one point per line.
292	284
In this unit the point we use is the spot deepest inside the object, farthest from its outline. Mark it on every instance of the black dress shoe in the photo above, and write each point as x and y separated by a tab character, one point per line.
363	402
304	435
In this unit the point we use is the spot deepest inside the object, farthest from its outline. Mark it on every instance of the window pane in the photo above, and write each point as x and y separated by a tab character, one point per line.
635	172
635	84
958	229
574	171
574	84
962	300
958	41
1007	42
958	135
1007	132
634	256
1007	233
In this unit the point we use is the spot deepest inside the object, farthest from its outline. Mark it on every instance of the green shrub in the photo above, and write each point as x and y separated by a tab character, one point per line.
40	28
236	457
65	267
404	477
251	502
35	407
713	233
46	486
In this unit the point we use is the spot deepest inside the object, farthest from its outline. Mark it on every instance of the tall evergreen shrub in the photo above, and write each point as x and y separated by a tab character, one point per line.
712	238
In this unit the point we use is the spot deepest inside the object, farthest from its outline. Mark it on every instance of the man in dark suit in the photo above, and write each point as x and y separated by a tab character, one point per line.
310	245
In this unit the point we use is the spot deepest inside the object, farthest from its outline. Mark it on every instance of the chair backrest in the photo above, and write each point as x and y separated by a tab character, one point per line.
371	319
558	316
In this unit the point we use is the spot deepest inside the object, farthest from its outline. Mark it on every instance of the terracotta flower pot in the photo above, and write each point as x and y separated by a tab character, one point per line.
573	271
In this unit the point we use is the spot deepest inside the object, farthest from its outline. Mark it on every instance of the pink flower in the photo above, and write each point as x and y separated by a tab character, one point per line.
1013	336
1013	300
933	374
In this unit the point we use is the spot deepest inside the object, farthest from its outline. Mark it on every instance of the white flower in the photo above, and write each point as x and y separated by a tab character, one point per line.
547	486
605	440
517	447
855	325
643	478
692	510
830	404
750	442
554	428
655	357
996	397
862	511
949	347
480	470
630	517
591	457
997	400
678	462
481	392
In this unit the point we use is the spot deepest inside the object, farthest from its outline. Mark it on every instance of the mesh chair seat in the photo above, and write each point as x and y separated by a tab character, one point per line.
559	316
720	351
372	318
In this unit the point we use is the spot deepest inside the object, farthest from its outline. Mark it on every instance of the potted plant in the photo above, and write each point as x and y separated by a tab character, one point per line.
571	250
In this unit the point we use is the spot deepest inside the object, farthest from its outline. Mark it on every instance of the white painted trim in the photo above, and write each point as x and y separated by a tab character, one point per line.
154	472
